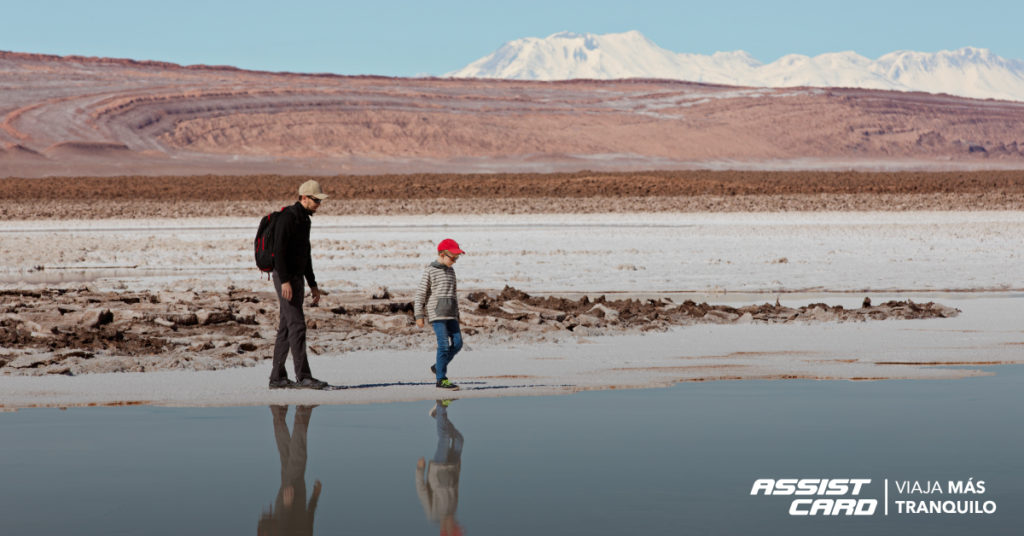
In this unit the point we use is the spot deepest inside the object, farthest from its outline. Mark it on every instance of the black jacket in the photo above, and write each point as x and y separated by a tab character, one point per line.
291	243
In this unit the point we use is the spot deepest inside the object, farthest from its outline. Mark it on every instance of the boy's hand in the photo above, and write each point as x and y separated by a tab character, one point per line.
420	323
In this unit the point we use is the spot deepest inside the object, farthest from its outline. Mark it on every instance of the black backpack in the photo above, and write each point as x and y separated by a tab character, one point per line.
264	242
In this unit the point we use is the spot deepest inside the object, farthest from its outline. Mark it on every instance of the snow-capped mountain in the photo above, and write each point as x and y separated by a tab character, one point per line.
966	72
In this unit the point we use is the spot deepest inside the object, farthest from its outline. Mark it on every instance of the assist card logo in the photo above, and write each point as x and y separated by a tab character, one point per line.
847	497
833	496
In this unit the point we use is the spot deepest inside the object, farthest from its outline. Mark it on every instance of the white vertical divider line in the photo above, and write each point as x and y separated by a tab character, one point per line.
886	496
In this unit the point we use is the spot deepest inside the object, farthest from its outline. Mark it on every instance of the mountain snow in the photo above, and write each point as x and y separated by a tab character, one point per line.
967	72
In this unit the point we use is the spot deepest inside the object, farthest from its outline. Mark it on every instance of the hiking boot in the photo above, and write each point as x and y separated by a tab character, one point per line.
445	384
283	383
311	383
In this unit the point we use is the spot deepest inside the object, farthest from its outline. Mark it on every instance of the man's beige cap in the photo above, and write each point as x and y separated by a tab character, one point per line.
312	189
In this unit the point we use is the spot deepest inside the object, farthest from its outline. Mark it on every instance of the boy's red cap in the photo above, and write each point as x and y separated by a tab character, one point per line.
451	245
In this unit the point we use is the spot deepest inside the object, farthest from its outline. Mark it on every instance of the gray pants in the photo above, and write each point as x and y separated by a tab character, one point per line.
292	447
291	333
291	515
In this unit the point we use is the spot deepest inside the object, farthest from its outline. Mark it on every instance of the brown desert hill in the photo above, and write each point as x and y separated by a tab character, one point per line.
101	116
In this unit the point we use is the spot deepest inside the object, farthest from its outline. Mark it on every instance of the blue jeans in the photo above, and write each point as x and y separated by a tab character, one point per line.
449	342
449	440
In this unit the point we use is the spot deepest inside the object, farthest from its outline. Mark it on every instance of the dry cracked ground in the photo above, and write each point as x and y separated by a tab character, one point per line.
80	330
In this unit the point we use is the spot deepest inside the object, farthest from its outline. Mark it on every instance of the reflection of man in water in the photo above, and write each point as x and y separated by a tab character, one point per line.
439	487
290	514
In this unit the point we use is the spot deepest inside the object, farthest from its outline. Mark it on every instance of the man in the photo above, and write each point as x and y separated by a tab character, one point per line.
291	514
292	263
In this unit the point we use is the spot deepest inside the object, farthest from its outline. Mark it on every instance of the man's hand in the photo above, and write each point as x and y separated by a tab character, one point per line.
420	323
316	296
286	291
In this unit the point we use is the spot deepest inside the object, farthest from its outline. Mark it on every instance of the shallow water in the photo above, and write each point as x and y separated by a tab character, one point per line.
661	461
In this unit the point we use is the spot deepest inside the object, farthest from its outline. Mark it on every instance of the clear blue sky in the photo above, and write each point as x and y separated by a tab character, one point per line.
406	38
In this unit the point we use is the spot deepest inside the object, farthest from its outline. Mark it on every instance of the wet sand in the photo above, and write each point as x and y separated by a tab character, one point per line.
984	334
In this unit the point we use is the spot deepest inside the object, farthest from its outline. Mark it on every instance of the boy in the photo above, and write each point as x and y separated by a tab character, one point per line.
437	303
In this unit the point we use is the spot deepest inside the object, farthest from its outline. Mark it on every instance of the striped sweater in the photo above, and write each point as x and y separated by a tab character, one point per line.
436	297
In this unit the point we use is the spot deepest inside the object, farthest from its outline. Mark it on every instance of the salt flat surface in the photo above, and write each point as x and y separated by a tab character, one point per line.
711	253
968	260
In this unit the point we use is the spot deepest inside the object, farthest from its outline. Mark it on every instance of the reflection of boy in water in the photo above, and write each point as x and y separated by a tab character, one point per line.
439	487
290	514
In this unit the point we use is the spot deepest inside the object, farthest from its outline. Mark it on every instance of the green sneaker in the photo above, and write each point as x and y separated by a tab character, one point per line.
445	384
440	404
